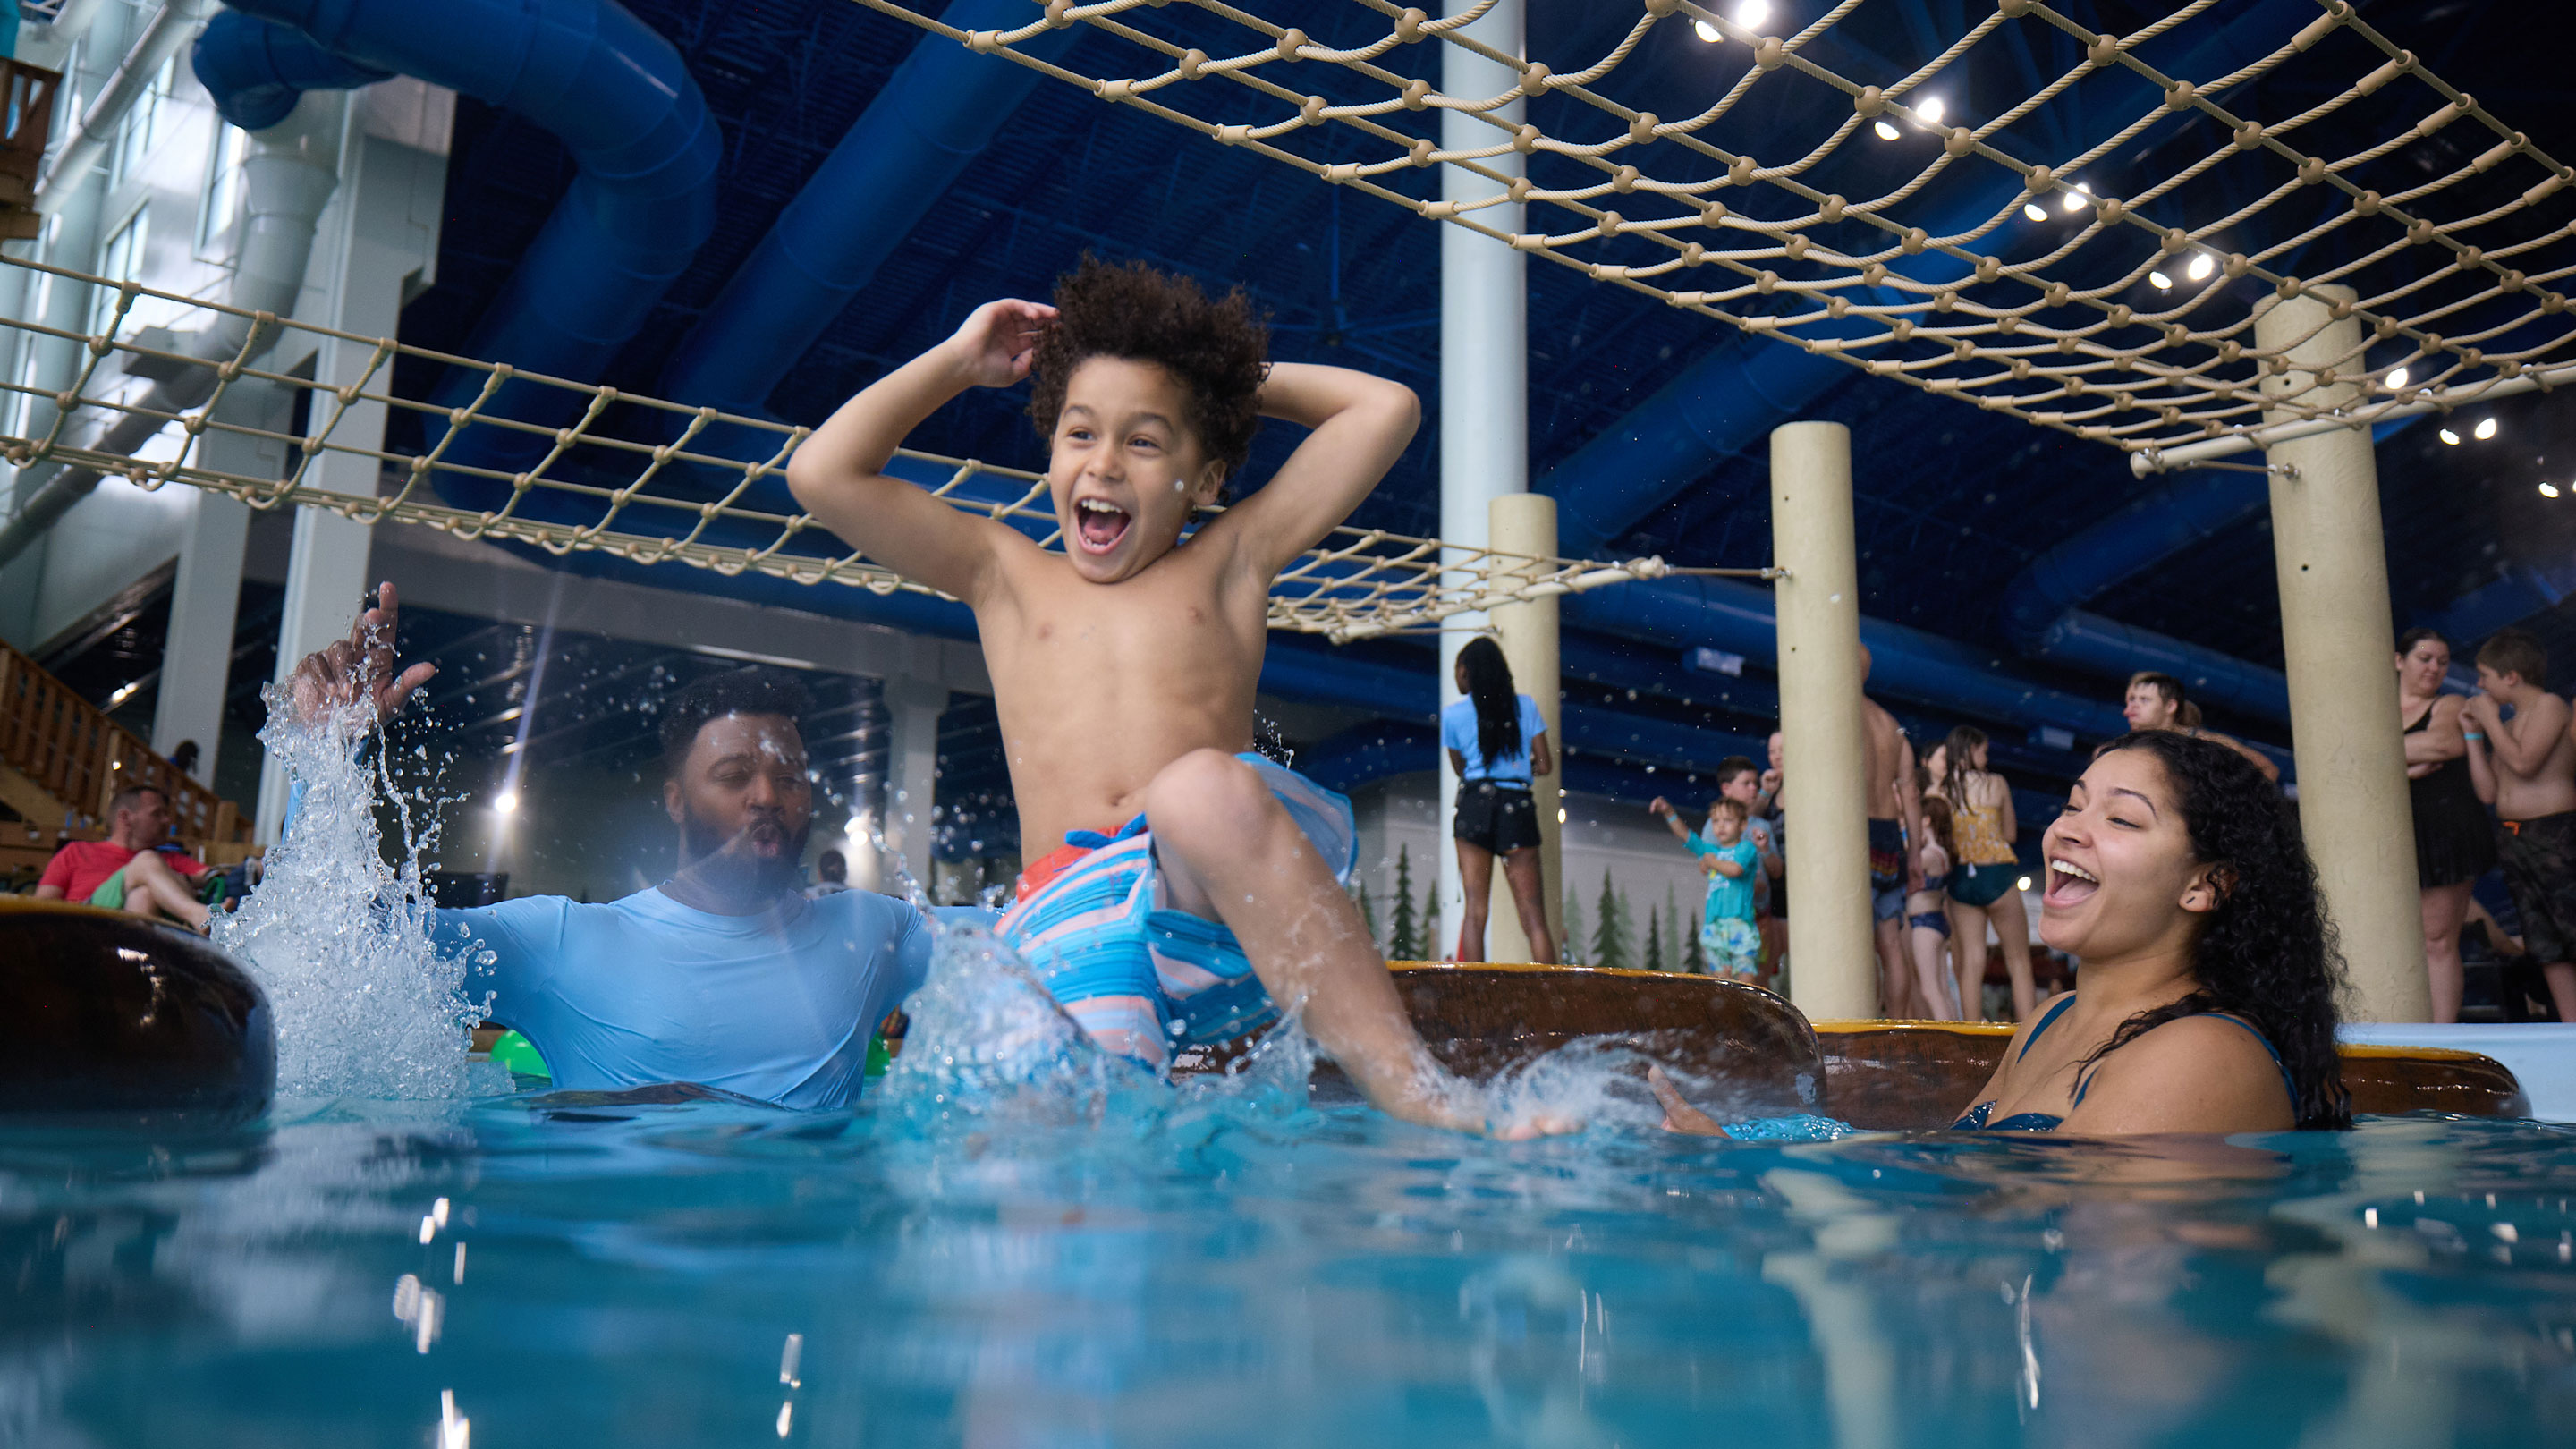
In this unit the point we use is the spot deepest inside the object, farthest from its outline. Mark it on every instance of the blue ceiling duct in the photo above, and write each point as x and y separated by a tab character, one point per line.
1907	663
936	114
619	98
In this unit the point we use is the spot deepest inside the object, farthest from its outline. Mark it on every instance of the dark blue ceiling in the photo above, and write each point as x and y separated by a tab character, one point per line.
1952	502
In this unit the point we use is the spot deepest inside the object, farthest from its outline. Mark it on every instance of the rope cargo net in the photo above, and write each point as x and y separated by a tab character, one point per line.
2040	322
642	501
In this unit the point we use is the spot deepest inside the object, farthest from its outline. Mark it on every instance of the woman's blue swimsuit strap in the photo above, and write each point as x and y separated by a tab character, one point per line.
1975	1120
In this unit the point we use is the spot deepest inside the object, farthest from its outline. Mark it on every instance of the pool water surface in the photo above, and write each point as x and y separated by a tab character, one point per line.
529	1269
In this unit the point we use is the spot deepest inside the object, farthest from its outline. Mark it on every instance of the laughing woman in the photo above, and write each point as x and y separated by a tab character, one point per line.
2209	972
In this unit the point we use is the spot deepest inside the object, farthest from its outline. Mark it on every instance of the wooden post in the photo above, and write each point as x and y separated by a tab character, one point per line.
1525	523
1833	966
2332	563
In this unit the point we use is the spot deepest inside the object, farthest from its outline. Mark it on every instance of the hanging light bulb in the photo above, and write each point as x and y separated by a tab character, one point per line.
2548	490
1885	131
2075	199
2396	378
2450	437
1707	32
1930	110
2201	266
2034	212
2160	281
1752	13
2486	429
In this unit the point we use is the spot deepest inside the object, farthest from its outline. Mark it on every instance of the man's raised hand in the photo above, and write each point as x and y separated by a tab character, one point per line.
359	668
999	340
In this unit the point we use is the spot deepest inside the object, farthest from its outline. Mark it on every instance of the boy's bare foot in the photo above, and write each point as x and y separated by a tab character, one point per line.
1680	1116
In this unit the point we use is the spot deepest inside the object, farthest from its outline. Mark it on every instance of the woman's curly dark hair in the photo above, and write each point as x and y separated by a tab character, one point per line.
1217	350
2268	952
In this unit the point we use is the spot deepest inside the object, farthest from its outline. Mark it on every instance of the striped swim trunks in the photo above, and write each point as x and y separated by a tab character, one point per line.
1138	976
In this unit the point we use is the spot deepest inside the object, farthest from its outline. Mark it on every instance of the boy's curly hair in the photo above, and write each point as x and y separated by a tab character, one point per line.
1218	350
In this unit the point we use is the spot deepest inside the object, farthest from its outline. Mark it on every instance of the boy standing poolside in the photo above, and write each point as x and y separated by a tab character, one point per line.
2526	768
1727	934
1124	667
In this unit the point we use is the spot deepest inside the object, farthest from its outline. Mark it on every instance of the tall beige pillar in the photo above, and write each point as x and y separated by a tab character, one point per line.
2336	636
1833	970
1525	523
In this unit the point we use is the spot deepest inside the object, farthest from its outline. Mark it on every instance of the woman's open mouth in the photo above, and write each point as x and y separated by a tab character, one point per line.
2069	884
1098	525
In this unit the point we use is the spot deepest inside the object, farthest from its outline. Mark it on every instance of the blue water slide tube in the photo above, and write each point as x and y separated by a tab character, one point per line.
937	112
619	98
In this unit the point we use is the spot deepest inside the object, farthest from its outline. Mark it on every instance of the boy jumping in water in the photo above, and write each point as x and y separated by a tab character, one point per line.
1124	667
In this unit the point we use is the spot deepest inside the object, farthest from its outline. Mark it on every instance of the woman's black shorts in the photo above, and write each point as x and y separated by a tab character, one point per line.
1501	818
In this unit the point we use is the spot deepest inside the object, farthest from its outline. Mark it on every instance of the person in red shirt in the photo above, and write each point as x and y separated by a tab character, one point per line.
124	871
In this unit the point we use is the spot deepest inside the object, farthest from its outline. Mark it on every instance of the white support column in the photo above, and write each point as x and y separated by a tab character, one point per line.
912	774
196	660
1526	523
1833	967
2332	563
373	242
1484	379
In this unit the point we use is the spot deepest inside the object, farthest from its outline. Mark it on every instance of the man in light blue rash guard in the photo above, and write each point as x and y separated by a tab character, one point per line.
725	974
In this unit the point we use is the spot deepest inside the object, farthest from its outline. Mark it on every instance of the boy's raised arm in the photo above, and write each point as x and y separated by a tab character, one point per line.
1361	425
839	474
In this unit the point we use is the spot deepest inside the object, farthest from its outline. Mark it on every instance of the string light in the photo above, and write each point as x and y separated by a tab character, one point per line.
2486	429
1752	13
2075	199
1707	32
2450	437
2033	211
2396	377
2201	266
1931	110
2160	281
1885	131
2548	490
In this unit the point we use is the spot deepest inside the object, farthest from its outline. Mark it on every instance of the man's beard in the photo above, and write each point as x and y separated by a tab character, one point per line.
705	852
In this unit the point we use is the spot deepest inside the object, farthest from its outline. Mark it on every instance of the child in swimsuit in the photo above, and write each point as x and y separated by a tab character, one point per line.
1198	890
1927	916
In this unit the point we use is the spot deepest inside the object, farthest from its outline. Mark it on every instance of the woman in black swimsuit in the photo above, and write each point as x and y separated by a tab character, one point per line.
2208	967
2454	841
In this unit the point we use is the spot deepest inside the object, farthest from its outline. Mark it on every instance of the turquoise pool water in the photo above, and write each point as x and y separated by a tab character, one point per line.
525	1270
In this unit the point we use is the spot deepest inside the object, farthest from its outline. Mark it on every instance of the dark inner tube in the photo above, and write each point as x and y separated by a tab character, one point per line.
109	1019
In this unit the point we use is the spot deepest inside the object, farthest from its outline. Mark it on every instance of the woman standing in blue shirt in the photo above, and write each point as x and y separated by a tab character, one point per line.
1497	742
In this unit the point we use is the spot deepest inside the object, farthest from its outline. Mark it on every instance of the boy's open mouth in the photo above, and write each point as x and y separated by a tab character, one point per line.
1098	525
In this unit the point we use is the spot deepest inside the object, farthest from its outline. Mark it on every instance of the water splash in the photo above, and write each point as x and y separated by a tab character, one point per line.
340	940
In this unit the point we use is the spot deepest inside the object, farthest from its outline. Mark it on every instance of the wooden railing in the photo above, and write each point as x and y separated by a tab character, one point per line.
75	754
26	119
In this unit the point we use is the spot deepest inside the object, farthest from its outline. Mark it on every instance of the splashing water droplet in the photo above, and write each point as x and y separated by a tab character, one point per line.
365	1005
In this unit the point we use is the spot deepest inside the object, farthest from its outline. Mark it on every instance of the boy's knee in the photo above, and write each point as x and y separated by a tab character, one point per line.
1204	788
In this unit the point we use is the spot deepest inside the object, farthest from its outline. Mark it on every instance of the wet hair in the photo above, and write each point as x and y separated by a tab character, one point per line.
1937	824
1732	766
2407	641
753	691
1962	747
2514	651
2267	953
1498	705
1217	350
132	796
2162	683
